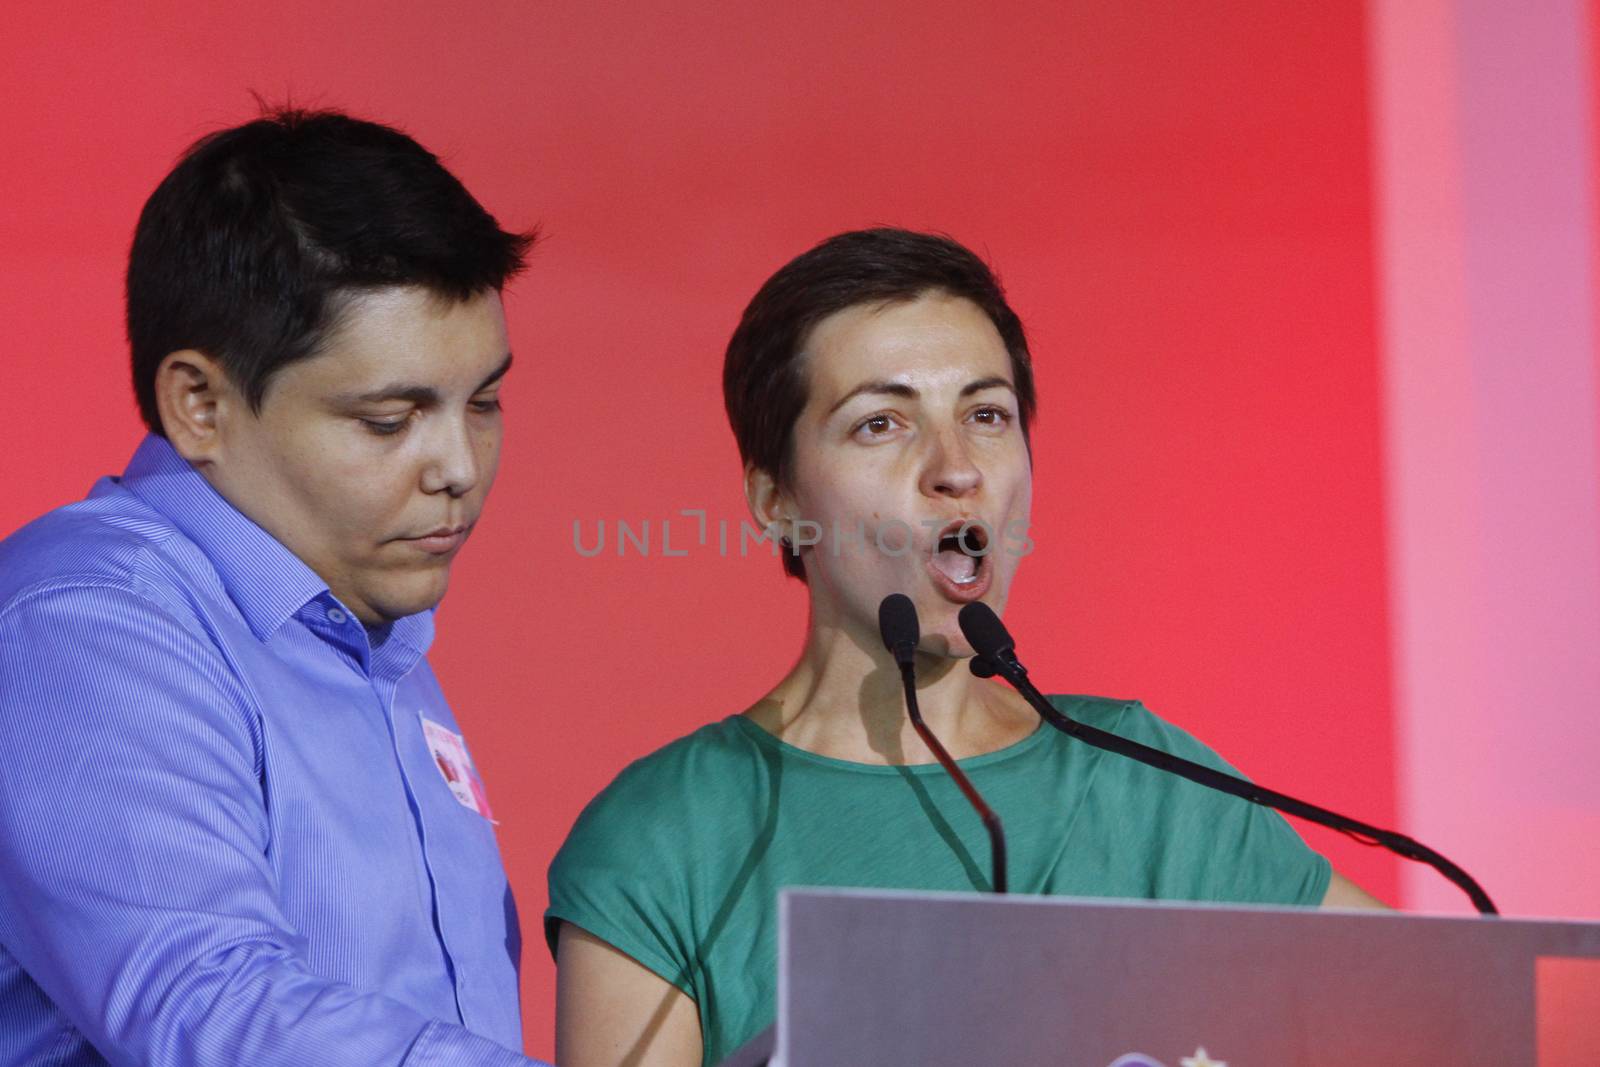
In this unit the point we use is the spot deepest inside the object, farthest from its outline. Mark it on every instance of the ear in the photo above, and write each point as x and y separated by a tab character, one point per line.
768	503
194	395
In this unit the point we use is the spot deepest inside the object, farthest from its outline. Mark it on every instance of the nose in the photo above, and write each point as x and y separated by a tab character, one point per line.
949	469
452	465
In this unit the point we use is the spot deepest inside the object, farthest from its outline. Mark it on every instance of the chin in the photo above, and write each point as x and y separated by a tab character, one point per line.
954	647
395	604
941	625
943	638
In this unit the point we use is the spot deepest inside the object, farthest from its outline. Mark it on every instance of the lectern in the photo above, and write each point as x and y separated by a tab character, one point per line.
881	979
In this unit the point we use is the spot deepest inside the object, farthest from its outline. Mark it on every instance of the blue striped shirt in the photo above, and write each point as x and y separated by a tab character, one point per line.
224	836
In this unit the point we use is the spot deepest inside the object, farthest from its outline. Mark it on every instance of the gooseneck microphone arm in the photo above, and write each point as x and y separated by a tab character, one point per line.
897	623
996	654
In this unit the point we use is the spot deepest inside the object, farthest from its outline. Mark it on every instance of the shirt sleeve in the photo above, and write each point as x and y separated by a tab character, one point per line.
619	877
1217	847
134	884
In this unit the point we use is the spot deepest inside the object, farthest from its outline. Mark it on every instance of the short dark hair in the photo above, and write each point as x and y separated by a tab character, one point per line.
763	384
246	249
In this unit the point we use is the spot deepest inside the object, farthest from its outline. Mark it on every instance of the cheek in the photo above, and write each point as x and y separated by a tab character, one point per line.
860	530
842	504
1022	502
359	504
487	446
849	489
1008	478
358	494
1016	531
323	473
853	511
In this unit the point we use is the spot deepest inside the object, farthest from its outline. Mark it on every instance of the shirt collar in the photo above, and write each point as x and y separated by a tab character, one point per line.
268	583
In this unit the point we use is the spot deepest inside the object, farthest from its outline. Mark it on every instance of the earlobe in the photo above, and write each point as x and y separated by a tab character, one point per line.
190	394
766	500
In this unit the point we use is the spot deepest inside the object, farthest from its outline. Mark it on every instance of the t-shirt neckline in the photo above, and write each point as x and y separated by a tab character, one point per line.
768	740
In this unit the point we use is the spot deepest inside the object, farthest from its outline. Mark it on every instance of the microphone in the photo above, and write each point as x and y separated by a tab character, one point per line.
990	640
898	626
996	654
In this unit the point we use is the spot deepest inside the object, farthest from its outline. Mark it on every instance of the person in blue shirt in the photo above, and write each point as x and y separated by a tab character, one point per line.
238	821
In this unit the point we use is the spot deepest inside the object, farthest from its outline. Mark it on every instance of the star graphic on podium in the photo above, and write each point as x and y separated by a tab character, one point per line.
1200	1059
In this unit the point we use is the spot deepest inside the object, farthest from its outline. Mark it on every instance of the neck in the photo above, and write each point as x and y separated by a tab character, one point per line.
844	699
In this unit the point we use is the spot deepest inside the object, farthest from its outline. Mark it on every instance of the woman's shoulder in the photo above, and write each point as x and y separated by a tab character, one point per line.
1187	841
715	742
673	787
1130	719
627	870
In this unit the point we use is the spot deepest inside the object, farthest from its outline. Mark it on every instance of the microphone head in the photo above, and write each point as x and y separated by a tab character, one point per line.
985	632
898	626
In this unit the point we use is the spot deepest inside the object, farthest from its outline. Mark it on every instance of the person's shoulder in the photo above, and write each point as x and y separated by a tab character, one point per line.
110	541
1175	830
1102	712
1130	719
625	871
102	619
658	807
682	777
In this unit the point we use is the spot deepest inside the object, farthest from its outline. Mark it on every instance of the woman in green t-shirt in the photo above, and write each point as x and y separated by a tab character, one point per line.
881	391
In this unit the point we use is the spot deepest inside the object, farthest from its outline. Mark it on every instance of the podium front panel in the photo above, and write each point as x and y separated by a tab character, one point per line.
881	979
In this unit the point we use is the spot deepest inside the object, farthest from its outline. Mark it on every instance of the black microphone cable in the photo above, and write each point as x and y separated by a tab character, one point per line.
996	654
897	624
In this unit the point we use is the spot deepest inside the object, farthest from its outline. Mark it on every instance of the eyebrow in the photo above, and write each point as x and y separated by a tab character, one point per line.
882	387
415	394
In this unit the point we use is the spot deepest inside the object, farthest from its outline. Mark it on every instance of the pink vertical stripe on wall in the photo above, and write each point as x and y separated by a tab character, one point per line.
1483	188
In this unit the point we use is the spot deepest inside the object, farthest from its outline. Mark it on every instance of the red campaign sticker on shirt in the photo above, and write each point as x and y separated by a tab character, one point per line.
1567	998
450	756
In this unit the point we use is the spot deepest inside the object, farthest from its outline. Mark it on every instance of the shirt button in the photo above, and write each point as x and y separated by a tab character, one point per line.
336	616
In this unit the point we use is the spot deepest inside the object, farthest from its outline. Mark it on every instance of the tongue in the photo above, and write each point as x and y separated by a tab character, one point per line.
955	564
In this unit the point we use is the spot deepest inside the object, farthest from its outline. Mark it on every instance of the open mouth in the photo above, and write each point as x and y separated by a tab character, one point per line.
960	551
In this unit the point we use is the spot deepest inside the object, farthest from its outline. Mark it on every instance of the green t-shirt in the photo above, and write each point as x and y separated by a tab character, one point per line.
679	861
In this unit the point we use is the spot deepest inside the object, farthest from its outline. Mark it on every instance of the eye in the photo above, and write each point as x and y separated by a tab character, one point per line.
991	415
878	425
386	427
485	405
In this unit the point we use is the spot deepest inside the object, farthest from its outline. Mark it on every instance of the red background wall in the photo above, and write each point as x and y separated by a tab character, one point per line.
1178	199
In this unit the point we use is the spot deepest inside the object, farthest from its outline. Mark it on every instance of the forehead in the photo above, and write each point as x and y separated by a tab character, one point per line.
935	340
405	334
